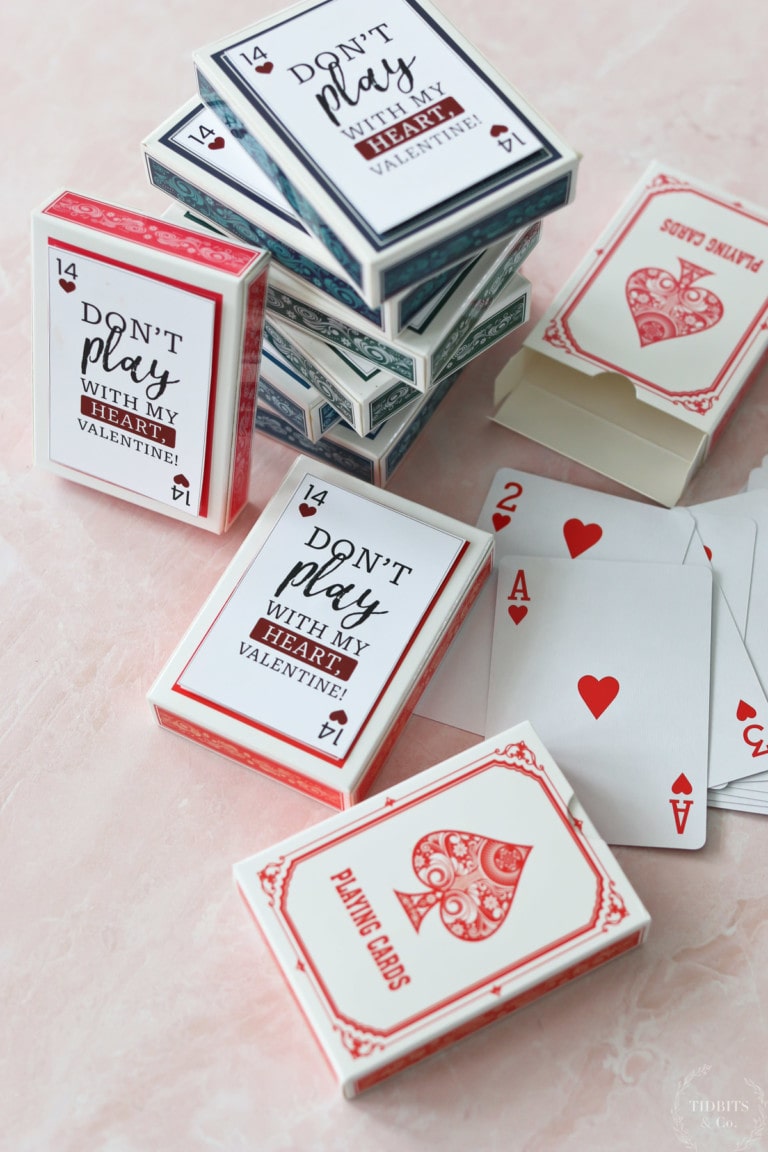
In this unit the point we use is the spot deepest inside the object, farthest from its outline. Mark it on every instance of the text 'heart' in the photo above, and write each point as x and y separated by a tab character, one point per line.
598	694
580	536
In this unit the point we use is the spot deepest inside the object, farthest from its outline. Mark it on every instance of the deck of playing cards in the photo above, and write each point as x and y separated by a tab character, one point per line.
308	656
147	347
440	906
646	350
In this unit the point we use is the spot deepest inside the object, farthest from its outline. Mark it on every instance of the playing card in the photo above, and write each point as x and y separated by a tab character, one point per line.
535	516
729	544
610	663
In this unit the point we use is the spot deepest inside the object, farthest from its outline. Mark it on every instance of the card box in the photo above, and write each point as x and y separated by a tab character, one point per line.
373	457
146	358
421	352
194	158
298	402
440	906
389	134
366	395
643	355
308	656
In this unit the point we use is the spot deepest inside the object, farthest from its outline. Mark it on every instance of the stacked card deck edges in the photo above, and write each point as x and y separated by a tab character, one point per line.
646	351
146	358
440	906
311	651
395	143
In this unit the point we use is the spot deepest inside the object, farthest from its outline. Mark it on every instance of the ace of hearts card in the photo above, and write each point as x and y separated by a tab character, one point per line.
611	665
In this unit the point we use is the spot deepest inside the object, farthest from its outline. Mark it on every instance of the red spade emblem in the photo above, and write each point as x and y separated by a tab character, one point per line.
598	694
472	880
580	536
664	308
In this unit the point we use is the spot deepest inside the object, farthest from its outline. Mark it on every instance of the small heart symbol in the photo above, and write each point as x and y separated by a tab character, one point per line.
499	130
598	694
339	716
517	612
745	711
708	551
307	509
181	480
265	68
216	144
682	786
67	285
500	521
579	536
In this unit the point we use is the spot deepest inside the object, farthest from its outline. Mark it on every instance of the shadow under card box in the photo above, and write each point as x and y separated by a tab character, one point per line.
146	358
439	906
309	654
420	353
373	457
301	405
644	354
194	158
396	142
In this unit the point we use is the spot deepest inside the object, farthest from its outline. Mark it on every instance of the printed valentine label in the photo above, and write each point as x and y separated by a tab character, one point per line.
674	297
314	630
438	900
202	138
384	109
131	376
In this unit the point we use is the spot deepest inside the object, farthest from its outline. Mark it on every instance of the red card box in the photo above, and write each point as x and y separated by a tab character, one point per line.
440	906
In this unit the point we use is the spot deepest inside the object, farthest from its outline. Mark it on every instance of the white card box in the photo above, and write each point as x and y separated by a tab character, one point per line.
194	158
439	906
421	352
146	358
645	352
395	141
307	658
372	458
365	395
289	394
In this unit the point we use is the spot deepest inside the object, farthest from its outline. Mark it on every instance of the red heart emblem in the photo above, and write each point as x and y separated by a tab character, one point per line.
339	716
181	480
517	612
682	786
307	509
500	521
664	308
265	68
598	694
472	880
579	536
745	711
67	285
499	130
216	144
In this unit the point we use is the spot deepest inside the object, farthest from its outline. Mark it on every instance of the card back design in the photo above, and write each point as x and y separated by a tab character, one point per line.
471	878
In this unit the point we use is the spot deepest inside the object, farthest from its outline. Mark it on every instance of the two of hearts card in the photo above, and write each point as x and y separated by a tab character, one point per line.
634	640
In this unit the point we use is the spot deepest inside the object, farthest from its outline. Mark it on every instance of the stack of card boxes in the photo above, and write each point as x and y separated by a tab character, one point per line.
398	183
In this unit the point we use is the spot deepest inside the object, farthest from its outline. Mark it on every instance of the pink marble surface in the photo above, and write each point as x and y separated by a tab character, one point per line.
139	1008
